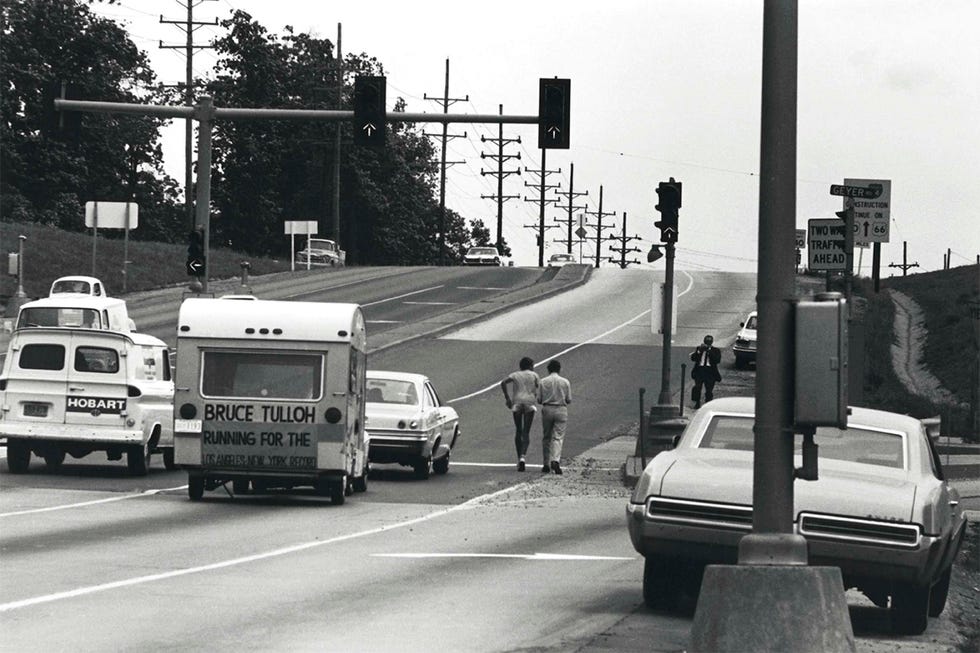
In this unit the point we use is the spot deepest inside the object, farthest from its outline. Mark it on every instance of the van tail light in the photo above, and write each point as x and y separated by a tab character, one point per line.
133	391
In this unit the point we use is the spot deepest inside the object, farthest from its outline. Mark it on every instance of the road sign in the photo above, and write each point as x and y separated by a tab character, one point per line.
872	214
112	215
800	238
825	244
870	191
301	227
580	232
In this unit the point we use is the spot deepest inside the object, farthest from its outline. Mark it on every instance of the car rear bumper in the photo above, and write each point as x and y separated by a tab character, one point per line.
917	563
388	448
71	433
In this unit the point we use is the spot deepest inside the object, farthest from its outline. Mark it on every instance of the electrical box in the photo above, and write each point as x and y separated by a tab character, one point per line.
821	369
13	264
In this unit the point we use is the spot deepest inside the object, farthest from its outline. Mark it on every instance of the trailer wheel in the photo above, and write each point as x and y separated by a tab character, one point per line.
54	457
18	456
239	486
360	483
195	487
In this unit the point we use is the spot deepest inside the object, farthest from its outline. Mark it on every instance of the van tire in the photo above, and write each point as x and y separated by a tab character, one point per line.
138	459
338	491
54	458
18	456
360	483
168	460
195	487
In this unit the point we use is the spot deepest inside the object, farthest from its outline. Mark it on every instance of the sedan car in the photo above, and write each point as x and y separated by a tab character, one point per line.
482	256
881	509
745	342
321	252
408	424
559	260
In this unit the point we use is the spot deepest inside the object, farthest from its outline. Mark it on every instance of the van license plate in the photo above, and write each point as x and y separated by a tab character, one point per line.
35	410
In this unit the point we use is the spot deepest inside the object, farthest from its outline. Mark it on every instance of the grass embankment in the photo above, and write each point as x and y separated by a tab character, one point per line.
50	253
948	299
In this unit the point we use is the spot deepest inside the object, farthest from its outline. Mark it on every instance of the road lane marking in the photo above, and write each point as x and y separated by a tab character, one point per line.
625	324
479	288
519	556
224	564
408	294
66	506
383	321
431	303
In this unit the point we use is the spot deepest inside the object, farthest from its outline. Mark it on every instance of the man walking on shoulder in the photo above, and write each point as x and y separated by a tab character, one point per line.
705	371
554	395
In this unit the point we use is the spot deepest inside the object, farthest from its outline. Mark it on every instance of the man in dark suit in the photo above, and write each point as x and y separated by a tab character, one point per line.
705	371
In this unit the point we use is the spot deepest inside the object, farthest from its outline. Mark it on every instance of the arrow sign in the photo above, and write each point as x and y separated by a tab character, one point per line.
869	192
554	132
369	129
195	266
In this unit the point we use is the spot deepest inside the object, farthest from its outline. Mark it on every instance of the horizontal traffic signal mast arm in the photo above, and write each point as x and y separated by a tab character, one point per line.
326	115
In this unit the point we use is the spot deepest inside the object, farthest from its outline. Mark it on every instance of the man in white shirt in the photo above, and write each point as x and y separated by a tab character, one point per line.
554	395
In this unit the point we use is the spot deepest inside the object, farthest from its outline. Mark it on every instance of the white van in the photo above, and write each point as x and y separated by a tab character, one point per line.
76	311
270	394
74	391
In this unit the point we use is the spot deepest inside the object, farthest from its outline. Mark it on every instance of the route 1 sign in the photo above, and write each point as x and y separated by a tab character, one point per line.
872	210
825	244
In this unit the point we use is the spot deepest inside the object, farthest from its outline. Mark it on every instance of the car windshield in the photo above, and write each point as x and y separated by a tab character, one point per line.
483	251
60	317
561	257
751	323
390	391
855	444
321	244
70	286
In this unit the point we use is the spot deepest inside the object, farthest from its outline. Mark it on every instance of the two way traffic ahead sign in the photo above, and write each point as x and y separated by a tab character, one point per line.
825	244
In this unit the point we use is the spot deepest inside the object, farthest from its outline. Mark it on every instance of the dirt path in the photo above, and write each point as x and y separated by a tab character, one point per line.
907	351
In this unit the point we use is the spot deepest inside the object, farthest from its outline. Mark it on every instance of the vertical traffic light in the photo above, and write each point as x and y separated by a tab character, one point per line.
554	113
197	261
669	194
369	111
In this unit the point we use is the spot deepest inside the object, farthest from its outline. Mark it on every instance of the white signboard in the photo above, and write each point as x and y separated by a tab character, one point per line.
111	215
825	244
872	216
800	238
301	227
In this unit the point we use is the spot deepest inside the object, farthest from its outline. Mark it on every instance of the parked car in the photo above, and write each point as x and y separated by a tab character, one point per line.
559	260
320	252
408	423
482	256
744	346
77	285
881	509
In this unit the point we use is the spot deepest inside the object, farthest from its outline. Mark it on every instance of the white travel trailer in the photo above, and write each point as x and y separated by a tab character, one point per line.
270	394
74	391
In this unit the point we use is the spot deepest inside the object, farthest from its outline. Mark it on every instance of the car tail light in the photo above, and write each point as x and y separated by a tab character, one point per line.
133	391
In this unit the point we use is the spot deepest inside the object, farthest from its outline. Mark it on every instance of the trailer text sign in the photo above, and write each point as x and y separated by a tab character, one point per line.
825	244
256	436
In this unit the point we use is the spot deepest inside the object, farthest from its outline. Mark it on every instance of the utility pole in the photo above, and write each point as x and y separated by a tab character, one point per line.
905	265
571	195
189	25
542	187
335	213
599	227
500	157
446	102
623	250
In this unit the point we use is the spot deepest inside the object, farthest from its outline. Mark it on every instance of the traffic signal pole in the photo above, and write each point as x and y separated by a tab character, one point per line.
664	398
204	112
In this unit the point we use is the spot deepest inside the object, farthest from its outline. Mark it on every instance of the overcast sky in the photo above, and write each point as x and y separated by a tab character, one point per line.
888	89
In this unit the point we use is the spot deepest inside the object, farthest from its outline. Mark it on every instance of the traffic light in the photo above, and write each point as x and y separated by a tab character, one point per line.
369	111
197	261
554	114
61	123
654	253
669	193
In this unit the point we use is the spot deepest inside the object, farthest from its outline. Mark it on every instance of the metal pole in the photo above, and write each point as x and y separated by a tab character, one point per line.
680	402
204	112
125	269
643	430
335	217
571	196
848	250
20	267
95	233
188	123
442	175
544	154
598	230
664	398
500	183
772	540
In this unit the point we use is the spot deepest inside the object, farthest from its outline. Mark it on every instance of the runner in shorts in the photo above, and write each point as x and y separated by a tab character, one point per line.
521	402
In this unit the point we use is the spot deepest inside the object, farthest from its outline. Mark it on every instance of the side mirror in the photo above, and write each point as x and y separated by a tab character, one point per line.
674	441
741	324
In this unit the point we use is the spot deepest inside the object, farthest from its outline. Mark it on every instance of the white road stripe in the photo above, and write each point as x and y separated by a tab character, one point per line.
520	556
479	288
690	284
431	303
408	294
296	548
34	511
383	321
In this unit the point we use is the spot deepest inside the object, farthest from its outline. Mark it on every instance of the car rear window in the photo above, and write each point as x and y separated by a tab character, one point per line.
42	357
262	375
96	359
855	444
389	391
59	317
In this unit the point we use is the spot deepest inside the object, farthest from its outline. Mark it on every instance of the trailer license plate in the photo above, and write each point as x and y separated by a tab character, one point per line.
35	410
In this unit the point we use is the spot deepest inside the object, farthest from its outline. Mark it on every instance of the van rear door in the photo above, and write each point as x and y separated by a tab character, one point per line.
37	377
97	388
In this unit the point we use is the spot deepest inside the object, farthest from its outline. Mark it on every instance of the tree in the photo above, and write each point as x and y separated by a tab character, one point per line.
49	173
